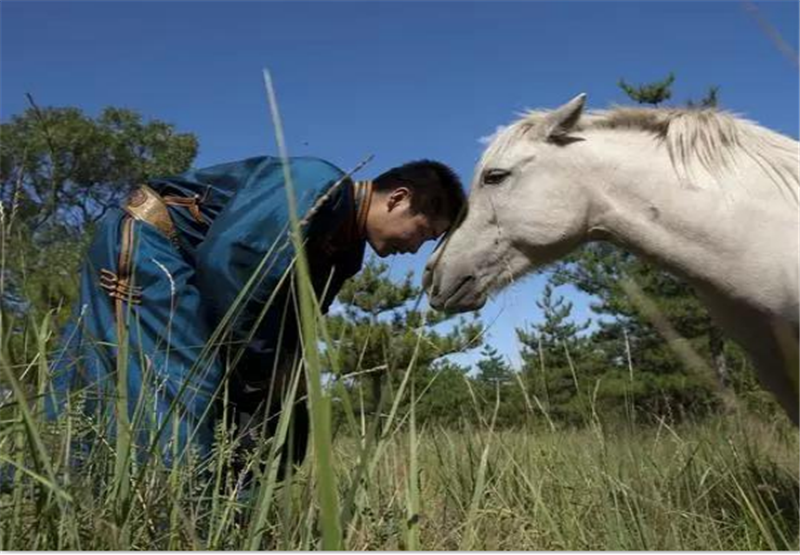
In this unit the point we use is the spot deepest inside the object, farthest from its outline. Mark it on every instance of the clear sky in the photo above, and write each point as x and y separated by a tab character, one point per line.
400	80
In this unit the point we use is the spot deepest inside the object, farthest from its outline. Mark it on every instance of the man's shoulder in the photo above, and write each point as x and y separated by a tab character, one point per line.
307	172
305	163
316	165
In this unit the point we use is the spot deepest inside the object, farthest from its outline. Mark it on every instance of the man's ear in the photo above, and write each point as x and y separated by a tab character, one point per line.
397	196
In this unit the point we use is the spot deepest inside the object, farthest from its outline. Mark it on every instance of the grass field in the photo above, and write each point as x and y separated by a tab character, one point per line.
728	482
722	485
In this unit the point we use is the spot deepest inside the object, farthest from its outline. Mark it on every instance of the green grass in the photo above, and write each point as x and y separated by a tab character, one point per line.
721	485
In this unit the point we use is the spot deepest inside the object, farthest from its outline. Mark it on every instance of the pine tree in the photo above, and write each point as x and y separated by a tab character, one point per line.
550	352
649	93
710	100
493	370
627	339
447	400
497	388
379	333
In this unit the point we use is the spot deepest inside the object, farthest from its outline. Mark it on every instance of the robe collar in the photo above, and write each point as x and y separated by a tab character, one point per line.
362	199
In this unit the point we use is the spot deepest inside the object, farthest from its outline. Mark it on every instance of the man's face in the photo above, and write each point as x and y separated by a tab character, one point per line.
394	228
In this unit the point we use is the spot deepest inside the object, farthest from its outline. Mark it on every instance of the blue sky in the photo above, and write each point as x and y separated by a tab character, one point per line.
400	80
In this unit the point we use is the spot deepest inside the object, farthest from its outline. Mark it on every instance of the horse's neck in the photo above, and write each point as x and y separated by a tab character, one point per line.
725	246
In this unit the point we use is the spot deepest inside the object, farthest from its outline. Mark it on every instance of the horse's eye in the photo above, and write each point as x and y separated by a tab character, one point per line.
495	176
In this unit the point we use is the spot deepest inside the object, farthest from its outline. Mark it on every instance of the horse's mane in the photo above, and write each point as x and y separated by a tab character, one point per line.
713	138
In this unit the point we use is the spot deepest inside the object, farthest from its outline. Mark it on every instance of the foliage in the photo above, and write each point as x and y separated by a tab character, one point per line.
492	369
62	168
550	351
377	333
649	93
710	100
60	171
447	400
723	485
626	339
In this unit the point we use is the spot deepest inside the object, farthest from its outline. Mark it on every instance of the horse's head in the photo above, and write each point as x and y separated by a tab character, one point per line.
525	209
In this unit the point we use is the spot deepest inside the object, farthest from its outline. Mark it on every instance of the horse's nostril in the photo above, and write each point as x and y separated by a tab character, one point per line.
461	284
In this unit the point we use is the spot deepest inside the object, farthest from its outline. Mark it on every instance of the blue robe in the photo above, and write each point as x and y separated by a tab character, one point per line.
188	288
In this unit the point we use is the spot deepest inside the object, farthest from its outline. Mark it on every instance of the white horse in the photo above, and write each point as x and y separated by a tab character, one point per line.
706	195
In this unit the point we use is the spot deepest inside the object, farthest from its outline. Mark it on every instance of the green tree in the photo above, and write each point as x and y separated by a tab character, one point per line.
660	91
493	370
446	400
62	168
710	100
628	340
497	387
649	93
550	352
379	333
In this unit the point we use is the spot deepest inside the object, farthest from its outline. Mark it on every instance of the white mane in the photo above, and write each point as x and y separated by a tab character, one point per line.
711	138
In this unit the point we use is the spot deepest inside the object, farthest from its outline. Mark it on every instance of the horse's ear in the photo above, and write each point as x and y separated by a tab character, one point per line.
560	121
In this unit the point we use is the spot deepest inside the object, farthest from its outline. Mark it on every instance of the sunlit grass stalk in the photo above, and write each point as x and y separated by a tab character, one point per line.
412	492
370	455
44	472
124	439
318	402
470	536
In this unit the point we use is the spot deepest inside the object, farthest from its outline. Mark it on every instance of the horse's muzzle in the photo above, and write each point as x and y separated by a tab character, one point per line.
460	297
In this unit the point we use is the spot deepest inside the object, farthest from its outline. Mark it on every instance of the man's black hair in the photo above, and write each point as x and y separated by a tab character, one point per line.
436	190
